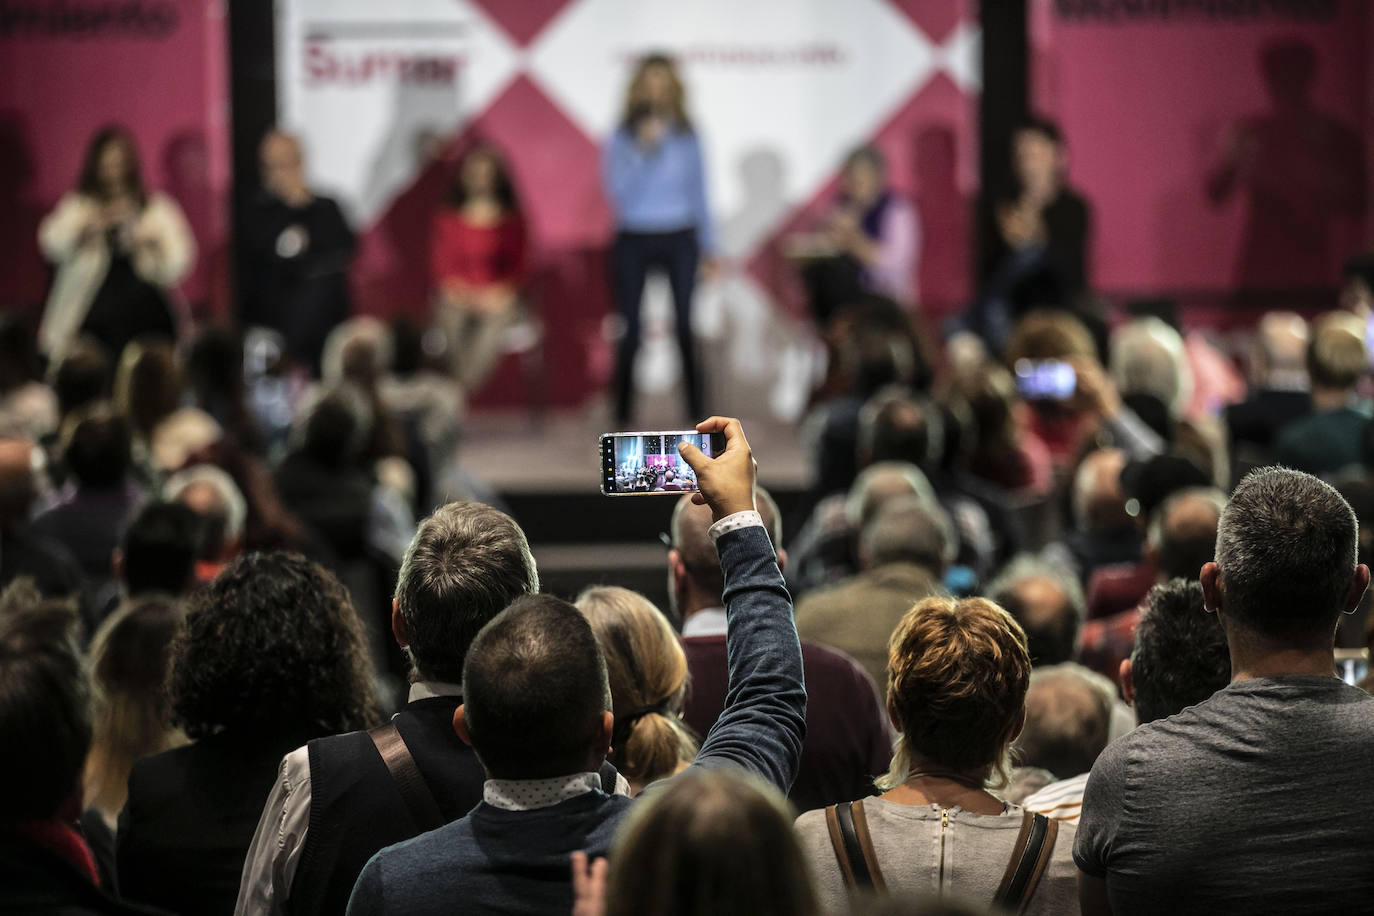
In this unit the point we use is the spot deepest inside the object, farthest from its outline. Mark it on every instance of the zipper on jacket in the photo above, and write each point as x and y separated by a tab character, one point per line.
944	825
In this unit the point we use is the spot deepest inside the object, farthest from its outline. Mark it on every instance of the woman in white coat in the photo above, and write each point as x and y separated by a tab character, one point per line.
118	250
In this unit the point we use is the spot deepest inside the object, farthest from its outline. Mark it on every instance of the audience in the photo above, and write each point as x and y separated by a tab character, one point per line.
903	552
1068	722
28	408
647	669
158	550
1330	439
89	518
1265	767
24	552
1278	388
1103	532
215	499
465	564
1180	656
129	659
536	709
1047	603
957	679
271	656
847	737
45	723
714	841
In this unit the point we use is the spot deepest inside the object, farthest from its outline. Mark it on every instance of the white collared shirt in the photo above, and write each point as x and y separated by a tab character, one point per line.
531	794
705	622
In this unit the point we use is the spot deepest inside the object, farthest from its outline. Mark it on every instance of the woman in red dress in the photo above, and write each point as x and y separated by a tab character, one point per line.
477	263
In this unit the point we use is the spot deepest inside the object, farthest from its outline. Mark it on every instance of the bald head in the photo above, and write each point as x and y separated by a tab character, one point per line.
1282	343
1099	503
1183	532
16	481
700	565
881	483
1068	719
1046	602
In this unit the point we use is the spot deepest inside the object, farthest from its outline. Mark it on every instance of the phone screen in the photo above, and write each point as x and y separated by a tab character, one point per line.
1045	380
649	463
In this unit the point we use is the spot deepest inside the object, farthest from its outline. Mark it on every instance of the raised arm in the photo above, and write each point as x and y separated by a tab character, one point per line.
764	720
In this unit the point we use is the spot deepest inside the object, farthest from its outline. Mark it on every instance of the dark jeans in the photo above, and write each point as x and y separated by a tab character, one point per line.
633	255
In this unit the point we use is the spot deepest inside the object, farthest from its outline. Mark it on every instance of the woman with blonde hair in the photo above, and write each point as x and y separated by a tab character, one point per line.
653	174
958	672
648	674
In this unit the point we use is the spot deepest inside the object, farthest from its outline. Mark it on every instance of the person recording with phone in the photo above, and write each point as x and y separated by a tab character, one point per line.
654	178
119	251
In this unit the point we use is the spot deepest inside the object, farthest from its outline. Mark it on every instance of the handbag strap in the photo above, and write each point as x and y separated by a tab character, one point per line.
853	844
1029	858
410	782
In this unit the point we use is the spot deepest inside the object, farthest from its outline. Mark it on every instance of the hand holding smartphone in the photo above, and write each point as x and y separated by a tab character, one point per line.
649	463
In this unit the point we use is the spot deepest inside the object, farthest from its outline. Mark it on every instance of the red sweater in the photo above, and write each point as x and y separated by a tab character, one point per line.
477	256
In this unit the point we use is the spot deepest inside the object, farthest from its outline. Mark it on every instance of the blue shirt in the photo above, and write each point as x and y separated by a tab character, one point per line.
660	188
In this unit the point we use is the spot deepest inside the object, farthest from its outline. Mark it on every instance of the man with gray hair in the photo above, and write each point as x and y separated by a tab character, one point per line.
340	799
1278	388
1068	723
904	547
1047	602
1242	803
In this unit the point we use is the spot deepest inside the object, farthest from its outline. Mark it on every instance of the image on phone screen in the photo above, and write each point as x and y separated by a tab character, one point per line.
646	463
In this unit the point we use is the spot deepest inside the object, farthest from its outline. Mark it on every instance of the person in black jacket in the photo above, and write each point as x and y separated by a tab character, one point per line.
335	803
296	253
272	655
46	865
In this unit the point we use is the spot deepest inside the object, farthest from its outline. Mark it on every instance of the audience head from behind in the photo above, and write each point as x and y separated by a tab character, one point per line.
879	483
82	376
358	351
1182	533
1099	502
1337	357
1280	357
647	669
1148	360
17	484
159	549
212	495
45	716
129	659
695	581
895	426
1068	719
465	564
911	531
148	385
1047	603
335	429
1049	334
958	671
272	650
536	696
95	445
711	841
1286	568
1180	656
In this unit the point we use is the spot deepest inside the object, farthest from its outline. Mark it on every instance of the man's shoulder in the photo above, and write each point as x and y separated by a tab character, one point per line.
837	669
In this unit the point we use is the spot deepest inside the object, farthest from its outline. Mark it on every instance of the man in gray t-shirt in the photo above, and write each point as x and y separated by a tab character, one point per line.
1256	799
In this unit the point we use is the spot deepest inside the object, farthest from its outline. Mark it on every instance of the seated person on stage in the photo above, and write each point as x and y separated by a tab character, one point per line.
537	711
870	242
478	253
296	251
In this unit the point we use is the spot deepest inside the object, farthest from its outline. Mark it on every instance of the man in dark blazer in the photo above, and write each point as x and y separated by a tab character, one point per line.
335	802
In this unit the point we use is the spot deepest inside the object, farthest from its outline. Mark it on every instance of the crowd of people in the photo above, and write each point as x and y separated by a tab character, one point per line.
1058	633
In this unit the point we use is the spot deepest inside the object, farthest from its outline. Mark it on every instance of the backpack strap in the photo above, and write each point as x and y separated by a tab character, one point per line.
410	782
1029	858
848	826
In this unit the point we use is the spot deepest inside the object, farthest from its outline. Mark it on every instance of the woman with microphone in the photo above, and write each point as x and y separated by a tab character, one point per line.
653	173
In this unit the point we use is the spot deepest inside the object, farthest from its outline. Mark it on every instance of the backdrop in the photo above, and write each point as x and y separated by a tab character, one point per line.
387	96
1223	145
156	66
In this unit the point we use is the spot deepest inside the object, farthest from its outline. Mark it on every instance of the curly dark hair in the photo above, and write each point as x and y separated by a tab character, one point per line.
272	646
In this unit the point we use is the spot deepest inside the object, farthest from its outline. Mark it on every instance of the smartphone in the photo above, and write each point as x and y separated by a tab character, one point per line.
1045	379
1352	665
648	464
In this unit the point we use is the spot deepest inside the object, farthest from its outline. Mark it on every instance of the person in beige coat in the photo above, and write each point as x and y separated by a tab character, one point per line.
119	252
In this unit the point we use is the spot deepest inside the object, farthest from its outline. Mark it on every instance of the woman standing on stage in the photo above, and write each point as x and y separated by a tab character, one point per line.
653	174
119	251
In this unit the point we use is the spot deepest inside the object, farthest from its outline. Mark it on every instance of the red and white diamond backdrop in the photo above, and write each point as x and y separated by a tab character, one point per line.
387	95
